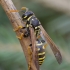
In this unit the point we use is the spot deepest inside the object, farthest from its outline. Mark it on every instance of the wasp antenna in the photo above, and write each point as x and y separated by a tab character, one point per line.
14	10
24	8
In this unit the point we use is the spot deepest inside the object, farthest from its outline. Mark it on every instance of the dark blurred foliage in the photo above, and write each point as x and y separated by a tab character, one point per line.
56	24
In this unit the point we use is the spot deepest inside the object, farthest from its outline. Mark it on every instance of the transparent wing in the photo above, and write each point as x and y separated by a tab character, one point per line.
34	48
54	48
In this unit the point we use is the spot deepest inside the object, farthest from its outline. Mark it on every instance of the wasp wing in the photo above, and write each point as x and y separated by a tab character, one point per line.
54	48
33	41
34	48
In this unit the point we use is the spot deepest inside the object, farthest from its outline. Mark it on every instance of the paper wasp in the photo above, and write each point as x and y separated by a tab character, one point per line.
36	31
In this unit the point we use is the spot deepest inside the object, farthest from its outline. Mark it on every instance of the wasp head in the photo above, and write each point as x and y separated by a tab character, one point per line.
27	14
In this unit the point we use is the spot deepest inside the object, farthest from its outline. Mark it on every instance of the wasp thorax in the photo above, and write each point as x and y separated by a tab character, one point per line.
34	21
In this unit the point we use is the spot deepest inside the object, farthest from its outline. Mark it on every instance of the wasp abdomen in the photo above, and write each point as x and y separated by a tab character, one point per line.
41	57
41	52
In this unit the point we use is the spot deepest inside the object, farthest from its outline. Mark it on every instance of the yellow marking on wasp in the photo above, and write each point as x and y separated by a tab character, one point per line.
41	53
19	27
27	25
37	30
41	61
36	27
25	16
29	18
42	58
20	37
39	44
30	25
43	47
38	49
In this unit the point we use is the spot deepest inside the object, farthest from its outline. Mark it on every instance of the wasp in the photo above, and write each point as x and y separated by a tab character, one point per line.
40	44
36	31
32	21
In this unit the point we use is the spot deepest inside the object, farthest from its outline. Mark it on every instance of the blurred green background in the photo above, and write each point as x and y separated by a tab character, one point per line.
56	22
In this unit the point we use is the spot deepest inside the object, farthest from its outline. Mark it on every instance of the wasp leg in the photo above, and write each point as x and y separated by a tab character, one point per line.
45	46
20	37
27	33
30	57
19	28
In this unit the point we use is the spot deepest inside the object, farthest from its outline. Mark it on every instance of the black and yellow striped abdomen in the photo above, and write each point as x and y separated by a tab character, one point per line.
41	52
41	55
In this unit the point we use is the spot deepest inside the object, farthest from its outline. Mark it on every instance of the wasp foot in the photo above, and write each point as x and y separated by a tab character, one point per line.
19	27
20	37
45	45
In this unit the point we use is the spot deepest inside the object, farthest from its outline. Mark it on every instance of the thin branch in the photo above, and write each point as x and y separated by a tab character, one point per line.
16	21
58	5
